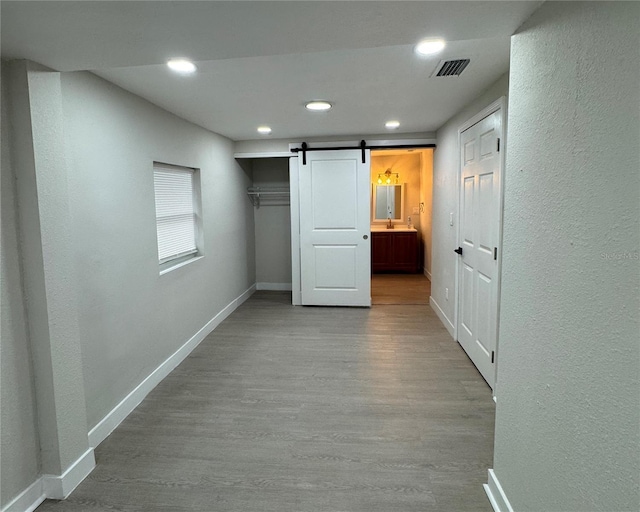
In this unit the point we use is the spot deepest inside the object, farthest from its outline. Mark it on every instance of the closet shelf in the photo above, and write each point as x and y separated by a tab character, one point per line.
268	196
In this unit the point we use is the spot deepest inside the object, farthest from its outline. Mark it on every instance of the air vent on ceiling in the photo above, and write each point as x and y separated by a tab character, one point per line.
452	67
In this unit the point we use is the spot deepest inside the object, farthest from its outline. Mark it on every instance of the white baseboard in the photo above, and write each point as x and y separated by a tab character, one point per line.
28	500
496	495
427	274
59	487
285	287
56	487
239	301
108	424
443	317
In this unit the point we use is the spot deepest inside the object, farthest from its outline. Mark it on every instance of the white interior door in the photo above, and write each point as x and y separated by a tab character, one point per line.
479	240
335	257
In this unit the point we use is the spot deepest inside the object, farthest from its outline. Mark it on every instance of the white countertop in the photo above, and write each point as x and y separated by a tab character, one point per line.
398	228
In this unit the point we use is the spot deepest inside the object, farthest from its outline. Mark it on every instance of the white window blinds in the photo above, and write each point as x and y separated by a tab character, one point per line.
175	213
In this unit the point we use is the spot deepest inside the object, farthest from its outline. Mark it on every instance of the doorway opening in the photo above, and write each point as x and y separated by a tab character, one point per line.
401	205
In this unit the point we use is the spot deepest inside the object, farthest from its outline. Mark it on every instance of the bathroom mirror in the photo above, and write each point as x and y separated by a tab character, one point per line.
388	202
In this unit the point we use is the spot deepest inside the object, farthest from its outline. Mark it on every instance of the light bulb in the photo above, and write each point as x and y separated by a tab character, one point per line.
182	66
430	46
318	105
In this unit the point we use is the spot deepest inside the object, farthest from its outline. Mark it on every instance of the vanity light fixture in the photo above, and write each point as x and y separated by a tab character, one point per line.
430	46
318	106
264	130
182	66
386	179
392	125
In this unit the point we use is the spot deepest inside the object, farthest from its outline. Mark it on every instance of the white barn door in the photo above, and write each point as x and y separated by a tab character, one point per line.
335	258
478	277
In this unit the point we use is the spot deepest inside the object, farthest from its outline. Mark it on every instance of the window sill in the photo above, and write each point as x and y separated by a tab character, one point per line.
180	264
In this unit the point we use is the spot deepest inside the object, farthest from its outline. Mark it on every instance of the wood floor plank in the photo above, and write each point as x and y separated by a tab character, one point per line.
288	408
400	289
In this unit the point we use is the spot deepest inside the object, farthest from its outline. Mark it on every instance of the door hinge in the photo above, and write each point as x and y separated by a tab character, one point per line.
493	356
498	149
458	251
495	253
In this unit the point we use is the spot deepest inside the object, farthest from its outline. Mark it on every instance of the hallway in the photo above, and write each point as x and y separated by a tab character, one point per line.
287	408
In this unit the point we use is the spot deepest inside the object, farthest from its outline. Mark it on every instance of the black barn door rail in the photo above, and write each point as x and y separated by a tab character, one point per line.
304	147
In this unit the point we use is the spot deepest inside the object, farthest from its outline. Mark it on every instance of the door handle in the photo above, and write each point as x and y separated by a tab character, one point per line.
365	237
458	251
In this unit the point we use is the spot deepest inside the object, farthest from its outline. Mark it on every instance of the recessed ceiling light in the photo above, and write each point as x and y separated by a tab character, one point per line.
430	46
264	130
182	66
392	125
318	106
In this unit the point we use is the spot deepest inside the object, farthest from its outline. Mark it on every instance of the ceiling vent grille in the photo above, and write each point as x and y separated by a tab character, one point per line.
452	67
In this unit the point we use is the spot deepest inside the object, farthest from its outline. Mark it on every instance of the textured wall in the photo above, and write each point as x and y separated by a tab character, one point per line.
445	200
19	439
272	224
50	278
568	421
131	318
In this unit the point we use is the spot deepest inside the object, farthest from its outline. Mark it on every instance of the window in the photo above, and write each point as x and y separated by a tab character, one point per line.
176	213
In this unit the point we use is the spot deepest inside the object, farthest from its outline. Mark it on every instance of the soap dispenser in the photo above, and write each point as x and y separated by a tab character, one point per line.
409	222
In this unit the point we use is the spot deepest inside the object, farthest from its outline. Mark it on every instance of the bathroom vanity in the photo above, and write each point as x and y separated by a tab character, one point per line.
394	250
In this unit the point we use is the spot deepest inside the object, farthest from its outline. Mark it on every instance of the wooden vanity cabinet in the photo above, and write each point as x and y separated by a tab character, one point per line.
394	251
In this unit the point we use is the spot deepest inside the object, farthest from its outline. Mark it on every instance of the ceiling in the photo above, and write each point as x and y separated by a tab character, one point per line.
259	62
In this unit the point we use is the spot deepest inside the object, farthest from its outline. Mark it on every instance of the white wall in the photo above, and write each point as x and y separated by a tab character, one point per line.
269	145
567	433
272	227
78	234
20	462
48	274
445	202
131	318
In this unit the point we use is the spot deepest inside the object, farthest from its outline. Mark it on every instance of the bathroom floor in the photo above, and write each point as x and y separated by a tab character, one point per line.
400	289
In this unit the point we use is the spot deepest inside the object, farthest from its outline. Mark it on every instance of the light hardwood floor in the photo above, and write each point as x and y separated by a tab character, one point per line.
288	408
400	289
